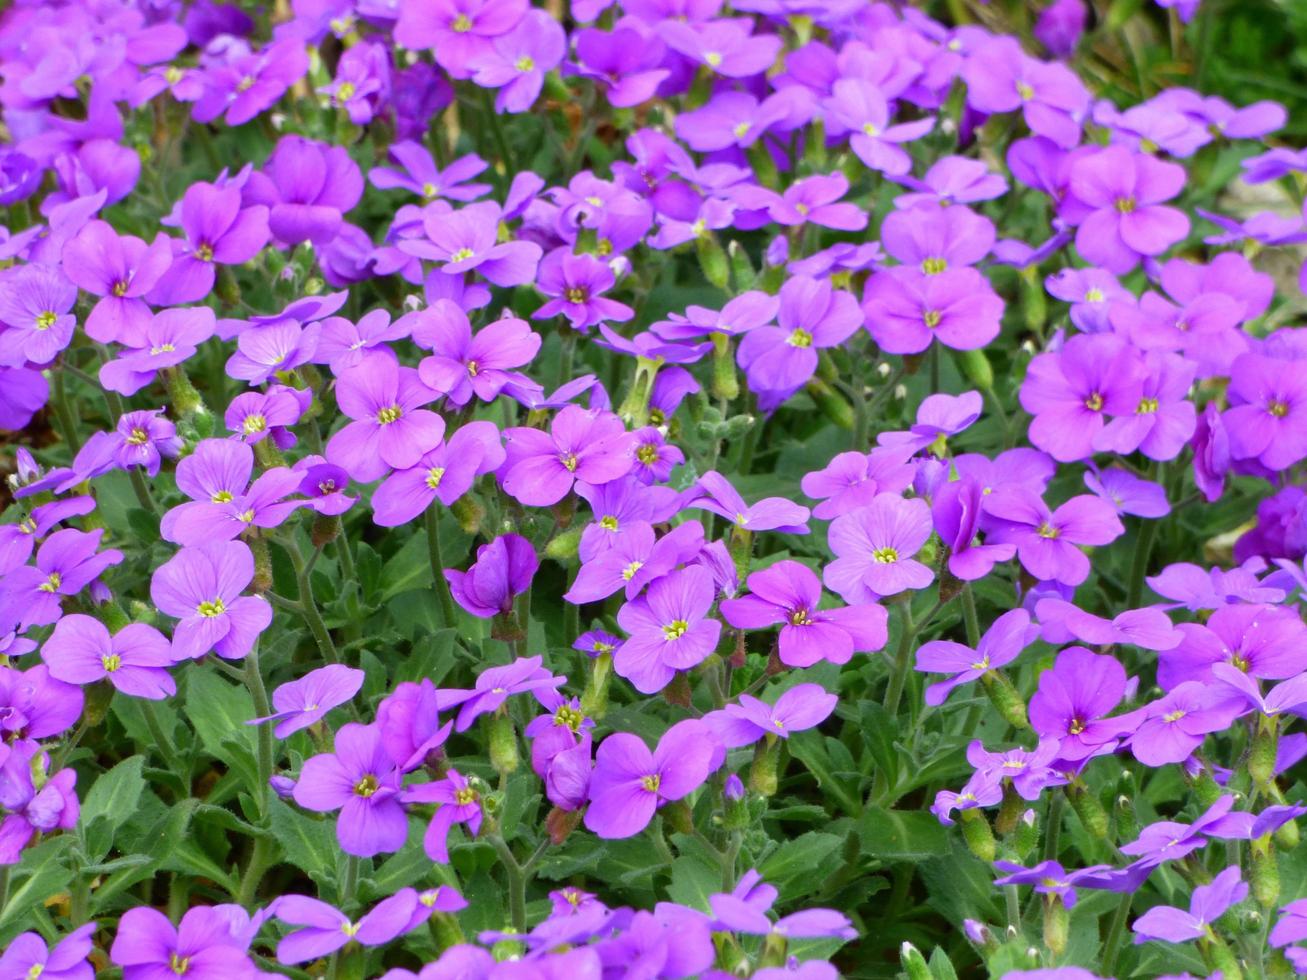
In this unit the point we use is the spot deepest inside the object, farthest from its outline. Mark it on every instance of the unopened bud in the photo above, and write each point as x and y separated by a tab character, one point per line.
725	380
563	547
1265	875
1261	757
832	404
594	701
1006	698
763	774
978	835
503	744
326	528
1089	810
262	565
1056	925
914	964
975	368
712	260
1026	834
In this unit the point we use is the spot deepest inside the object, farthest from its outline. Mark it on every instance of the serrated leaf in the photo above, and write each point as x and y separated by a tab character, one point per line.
41	873
308	844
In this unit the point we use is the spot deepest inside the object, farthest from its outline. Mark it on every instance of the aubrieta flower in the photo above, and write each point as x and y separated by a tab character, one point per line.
35	705
518	60
307	187
1176	724
802	707
788	594
219	231
1048	878
1028	770
812	316
983	789
257	415
635	558
201	588
1094	295
306	701
1207	904
541	467
468	240
906	309
462	364
266	350
851	480
361	780
327	929
66	563
169	338
249	82
630	782
391	429
502	571
222	507
458	802
714	493
28	956
362	83
459	31
19	540
575	285
1048	540
1001	77
1127	493
623	63
957	510
1073	702
856	106
120	269
445	473
1269	404
936	239
1002	643
37	803
134	660
874	546
36	303
669	629
422	177
344	344
725	47
494	687
1261	640
201	947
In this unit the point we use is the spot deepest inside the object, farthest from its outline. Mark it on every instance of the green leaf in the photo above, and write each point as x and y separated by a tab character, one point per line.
41	873
116	793
219	711
693	881
309	844
902	835
800	865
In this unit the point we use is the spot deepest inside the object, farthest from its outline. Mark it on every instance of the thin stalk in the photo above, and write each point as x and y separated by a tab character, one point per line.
969	616
141	489
64	415
1013	908
497	130
163	741
516	882
899	675
447	610
1112	943
308	605
1139	568
1053	831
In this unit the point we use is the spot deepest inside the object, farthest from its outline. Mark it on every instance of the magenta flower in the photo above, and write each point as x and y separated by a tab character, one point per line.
1263	641
714	493
906	309
857	106
255	415
1028	770
264	350
802	707
222	507
120	269
134	660
635	558
35	705
1071	391
1001	77
306	701
421	176
201	588
1002	643
202	946
36	303
494	687
326	929
33	809
249	83
725	47
17	541
390	427
1127	493
874	546
541	467
669	629
23	392
957	509
1073	701
361	780
344	344
445	473
853	479
169	338
1207	904
459	31
937	239
458	803
624	63
28	956
1047	541
67	562
462	364
1121	218
1176	724
1269	405
576	284
503	570
812	316
736	119
788	594
630	782
307	186
468	239
362	83
219	231
1061	621
517	61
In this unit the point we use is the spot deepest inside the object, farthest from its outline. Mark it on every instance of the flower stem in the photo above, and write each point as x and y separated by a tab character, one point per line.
308	605
1054	829
516	881
1139	568
447	610
164	743
969	616
899	670
1112	943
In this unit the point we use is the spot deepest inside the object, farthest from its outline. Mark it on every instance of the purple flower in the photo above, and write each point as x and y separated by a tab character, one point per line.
1127	493
630	782
306	701
736	119
390	427
541	468
17	541
1176	724
983	789
35	705
874	546
952	180
956	510
906	309
134	660
168	339
802	707
669	629
494	687
263	351
576	284
459	803
422	177
120	269
937	239
360	780
202	946
1207	904
1289	696
221	506
23	392
853	479
219	231
445	473
788	594
307	186
460	31
1092	293
1269	399
256	415
28	956
1263	641
1121	217
201	588
1048	877
624	63
1073	701
858	107
250	82
35	306
713	492
326	929
741	314
37	803
343	344
66	563
635	559
1028	770
468	239
1164	419
1001	77
1047	540
1167	840
1070	392
503	569
1198	588
724	47
362	83
938	417
463	365
1002	643
812	316
517	61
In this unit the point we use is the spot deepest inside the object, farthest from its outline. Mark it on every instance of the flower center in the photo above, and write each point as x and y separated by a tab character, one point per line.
462	24
799	338
1047	530
46	320
120	288
885	556
1147	406
111	662
628	573
254	423
138	437
1094	295
246	516
27	526
699	229
367	786
465	796
713	58
1125	205
345	92
431	190
326	487
205	252
173	75
245	84
982	664
179	964
931	318
51	584
1076	727
676	629
1279	409
389	414
349	929
1094	402
933	267
568	716
210	609
434	476
609	522
1025	91
473	368
651	783
162	349
570	461
462	255
1173	716
575	294
800	617
871	129
647	454
525	63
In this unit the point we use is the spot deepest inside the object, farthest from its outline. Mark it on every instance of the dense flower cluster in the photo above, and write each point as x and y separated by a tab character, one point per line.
583	425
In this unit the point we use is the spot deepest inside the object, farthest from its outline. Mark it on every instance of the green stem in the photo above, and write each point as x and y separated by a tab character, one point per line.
1139	568
262	709
516	882
4	886
308	605
164	742
261	859
447	610
566	353
141	489
969	616
1013	908
497	130
1112	944
1054	829
64	415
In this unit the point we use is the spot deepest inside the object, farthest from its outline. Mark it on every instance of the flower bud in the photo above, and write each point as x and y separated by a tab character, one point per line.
445	930
1006	698
975	368
763	774
1286	835
712	260
1026	834
262	565
326	528
96	707
563	547
594	701
831	403
978	835
725	380
468	513
560	824
1261	756
1009	812
503	744
1056	925
1264	877
1127	824
914	964
1089	810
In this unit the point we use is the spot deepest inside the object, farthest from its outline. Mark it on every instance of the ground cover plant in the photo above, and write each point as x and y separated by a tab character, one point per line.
652	489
